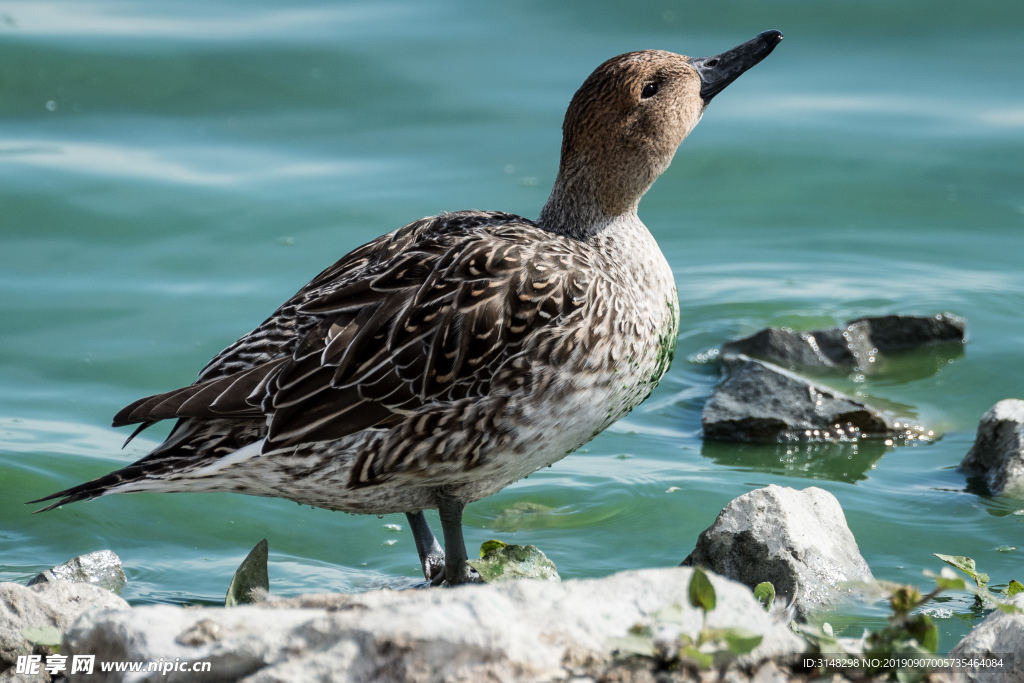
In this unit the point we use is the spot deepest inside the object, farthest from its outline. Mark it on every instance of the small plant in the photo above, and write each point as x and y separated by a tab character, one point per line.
711	647
251	580
765	594
909	632
982	595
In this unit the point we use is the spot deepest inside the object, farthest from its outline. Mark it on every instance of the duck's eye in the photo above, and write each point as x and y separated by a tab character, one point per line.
650	90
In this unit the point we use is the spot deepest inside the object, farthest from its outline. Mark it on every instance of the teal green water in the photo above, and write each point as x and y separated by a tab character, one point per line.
171	171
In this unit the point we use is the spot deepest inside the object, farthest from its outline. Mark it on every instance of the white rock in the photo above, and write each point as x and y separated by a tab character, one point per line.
102	568
999	636
520	631
998	452
56	605
797	540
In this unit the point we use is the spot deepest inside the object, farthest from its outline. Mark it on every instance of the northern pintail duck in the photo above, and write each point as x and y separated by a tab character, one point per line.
443	361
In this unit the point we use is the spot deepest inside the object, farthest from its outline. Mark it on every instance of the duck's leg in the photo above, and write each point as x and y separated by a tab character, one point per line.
455	568
430	551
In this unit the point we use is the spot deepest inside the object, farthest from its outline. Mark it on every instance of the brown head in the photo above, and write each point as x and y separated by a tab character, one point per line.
624	124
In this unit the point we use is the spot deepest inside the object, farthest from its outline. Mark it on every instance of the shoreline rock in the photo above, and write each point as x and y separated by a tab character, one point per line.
55	605
101	568
797	540
997	456
517	631
998	636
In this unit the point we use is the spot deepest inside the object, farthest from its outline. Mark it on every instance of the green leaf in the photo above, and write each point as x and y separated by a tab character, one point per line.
741	641
1008	608
945	584
966	565
816	635
765	594
47	636
250	578
930	639
702	660
490	545
701	593
633	645
1014	588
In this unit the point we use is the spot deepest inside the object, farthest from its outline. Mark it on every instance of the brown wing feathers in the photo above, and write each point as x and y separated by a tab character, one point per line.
425	314
235	395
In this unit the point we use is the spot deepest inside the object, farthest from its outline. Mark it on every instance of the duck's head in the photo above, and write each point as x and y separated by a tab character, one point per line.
625	122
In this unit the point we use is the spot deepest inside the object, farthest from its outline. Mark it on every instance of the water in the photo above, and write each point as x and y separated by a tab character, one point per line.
171	171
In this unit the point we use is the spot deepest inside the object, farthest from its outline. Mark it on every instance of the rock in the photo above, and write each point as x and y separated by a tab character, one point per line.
761	402
901	332
502	562
997	456
838	347
999	636
797	540
55	605
102	568
850	346
516	631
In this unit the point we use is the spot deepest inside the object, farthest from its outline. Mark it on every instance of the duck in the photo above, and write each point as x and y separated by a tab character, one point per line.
443	361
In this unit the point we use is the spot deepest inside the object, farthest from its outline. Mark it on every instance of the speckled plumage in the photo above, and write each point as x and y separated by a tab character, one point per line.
441	362
465	350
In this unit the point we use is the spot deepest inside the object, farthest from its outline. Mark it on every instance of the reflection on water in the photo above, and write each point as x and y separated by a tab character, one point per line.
845	462
903	367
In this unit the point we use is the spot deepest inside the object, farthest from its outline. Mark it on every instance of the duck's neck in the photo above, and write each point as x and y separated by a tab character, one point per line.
584	201
573	210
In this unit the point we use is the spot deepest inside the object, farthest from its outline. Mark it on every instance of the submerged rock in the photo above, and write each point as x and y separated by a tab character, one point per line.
101	568
850	346
838	347
901	332
45	606
517	631
761	402
1000	636
797	540
997	456
502	562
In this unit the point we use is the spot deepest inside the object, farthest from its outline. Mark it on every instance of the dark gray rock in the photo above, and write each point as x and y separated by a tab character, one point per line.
1000	636
835	348
901	332
797	540
997	456
850	346
101	568
761	402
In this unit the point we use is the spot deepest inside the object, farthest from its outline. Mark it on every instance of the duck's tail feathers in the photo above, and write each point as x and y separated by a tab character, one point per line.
189	460
95	488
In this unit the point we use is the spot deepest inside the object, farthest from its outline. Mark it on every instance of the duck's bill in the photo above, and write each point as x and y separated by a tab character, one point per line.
718	71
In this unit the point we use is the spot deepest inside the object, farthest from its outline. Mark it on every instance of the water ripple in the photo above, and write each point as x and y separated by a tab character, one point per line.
206	166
